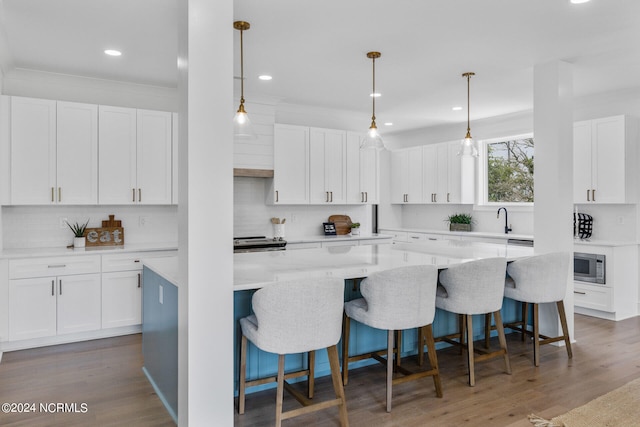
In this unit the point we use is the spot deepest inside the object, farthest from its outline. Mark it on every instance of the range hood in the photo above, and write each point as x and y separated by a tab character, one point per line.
253	173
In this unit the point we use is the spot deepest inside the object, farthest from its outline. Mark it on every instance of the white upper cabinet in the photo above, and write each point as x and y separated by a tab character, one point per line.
406	176
604	159
174	159
430	173
117	155
54	152
77	153
291	165
154	157
33	151
134	156
455	177
363	182
327	166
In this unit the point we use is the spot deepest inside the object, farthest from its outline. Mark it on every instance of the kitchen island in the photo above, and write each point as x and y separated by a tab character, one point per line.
255	270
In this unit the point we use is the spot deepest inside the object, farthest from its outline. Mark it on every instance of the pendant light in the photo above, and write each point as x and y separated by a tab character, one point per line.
242	128
373	138
467	147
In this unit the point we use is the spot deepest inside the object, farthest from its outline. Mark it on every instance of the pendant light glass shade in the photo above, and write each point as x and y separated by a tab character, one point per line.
467	146
242	128
373	140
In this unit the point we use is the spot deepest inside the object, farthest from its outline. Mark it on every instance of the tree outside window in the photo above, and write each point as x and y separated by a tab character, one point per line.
510	171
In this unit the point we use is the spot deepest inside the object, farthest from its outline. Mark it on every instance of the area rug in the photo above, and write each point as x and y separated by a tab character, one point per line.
618	408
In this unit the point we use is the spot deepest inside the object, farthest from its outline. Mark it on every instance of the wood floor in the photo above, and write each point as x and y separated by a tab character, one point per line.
106	374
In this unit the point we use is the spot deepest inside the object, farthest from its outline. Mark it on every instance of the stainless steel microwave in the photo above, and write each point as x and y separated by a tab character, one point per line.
589	268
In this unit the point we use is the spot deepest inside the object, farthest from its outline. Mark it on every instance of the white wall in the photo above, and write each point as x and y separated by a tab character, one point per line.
251	216
41	226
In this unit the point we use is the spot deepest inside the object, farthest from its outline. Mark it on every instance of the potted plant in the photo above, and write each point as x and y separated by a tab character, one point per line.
355	229
459	222
78	233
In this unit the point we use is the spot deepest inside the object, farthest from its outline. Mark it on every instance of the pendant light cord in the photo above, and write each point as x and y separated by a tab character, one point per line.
241	69
468	102
373	95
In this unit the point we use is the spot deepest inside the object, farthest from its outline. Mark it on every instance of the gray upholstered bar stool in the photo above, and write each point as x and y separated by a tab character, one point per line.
393	300
296	317
474	287
537	280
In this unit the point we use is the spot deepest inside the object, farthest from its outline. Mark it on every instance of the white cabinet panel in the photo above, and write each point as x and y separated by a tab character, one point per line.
153	157
363	182
327	166
77	153
406	176
174	158
604	160
79	300
32	308
121	299
291	165
33	151
117	155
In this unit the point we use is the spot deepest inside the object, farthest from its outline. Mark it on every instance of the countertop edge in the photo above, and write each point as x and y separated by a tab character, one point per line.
100	250
165	267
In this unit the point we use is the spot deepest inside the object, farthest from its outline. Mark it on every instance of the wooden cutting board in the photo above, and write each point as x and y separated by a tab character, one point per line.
342	222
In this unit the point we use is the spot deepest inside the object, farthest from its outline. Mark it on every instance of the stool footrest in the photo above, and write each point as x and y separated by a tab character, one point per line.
311	408
272	379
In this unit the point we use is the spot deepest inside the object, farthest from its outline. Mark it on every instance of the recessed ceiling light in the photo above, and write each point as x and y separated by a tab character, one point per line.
265	77
112	52
375	95
457	108
578	1
388	124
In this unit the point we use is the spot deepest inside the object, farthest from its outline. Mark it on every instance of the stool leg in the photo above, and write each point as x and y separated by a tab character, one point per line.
346	326
470	355
311	364
503	340
389	368
243	375
398	351
536	336
525	319
565	328
433	358
487	330
461	327
334	362
280	390
421	338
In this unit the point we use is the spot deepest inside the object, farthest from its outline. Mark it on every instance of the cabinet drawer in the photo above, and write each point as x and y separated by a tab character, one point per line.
596	297
130	261
398	236
416	237
53	266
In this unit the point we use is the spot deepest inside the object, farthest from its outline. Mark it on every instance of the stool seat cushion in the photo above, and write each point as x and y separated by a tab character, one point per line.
474	287
396	299
296	317
539	279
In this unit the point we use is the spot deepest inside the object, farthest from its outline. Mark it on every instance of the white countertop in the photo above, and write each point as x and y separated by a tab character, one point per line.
611	243
463	233
338	238
99	250
166	267
257	269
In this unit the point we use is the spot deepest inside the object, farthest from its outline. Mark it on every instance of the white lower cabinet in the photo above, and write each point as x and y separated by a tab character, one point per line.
47	306
121	299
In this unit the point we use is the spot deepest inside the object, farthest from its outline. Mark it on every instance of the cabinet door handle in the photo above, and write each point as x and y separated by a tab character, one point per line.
593	195
53	292
579	293
139	279
139	194
331	192
588	200
60	281
326	197
447	197
435	198
56	265
52	195
361	197
366	196
133	193
277	196
59	194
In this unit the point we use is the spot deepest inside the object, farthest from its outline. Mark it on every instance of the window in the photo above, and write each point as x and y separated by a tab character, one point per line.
509	170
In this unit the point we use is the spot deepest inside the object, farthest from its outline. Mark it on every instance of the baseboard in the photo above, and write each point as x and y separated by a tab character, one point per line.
69	338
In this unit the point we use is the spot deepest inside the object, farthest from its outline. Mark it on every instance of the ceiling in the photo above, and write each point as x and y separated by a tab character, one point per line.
316	51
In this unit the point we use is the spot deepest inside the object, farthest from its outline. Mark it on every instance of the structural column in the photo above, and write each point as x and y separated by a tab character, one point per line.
553	174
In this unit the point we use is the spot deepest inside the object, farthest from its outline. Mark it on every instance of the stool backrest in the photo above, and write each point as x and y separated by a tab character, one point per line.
295	317
401	298
475	287
540	278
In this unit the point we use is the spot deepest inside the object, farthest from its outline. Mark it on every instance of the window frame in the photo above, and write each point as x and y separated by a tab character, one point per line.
482	184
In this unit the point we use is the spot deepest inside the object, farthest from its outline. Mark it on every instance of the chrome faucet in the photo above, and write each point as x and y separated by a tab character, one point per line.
507	228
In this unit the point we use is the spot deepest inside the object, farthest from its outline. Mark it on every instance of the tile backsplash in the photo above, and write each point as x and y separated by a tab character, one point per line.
43	226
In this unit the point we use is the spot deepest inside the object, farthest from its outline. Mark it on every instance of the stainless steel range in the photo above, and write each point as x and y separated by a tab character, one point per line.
257	244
